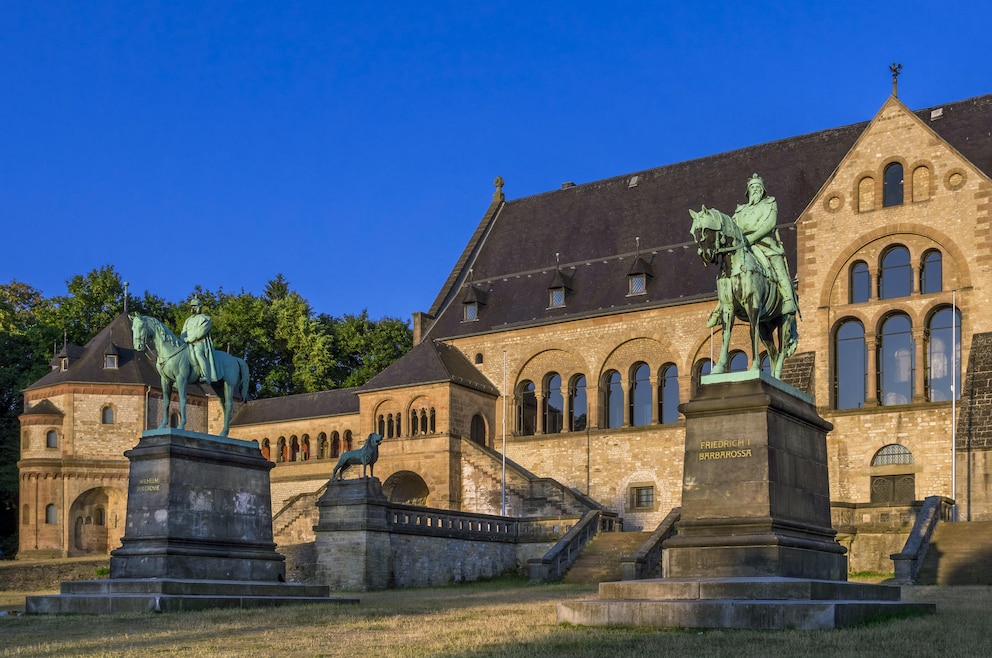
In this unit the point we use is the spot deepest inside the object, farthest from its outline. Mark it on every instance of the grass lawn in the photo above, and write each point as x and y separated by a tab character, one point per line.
501	618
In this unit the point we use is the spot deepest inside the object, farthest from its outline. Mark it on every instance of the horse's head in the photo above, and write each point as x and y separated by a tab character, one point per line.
139	332
706	229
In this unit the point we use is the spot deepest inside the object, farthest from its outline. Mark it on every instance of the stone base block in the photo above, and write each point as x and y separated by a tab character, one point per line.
756	561
121	595
757	603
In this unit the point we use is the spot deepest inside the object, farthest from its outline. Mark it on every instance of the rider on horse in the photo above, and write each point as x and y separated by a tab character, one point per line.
757	219
196	334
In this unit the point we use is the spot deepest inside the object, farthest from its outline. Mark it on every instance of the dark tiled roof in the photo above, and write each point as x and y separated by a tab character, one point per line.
295	407
427	363
86	363
594	227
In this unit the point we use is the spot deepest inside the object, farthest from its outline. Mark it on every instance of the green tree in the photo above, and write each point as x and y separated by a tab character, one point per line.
24	358
365	347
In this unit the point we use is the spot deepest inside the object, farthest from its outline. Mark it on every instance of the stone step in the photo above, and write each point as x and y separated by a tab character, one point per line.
600	559
118	595
756	603
959	555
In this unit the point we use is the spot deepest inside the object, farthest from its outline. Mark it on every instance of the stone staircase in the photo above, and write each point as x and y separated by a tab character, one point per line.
599	561
959	554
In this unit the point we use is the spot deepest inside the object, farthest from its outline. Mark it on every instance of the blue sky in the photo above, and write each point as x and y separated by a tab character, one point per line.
352	146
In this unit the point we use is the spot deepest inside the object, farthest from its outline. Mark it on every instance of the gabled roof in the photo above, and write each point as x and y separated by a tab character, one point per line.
296	407
430	362
43	408
595	227
86	364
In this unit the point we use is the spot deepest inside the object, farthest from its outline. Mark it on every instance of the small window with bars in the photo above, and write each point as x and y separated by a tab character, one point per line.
642	497
556	297
470	312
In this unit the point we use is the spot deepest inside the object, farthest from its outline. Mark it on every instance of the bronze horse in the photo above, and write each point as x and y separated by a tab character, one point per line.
174	368
745	290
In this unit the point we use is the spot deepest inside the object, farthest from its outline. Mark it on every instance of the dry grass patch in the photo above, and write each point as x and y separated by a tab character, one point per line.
503	618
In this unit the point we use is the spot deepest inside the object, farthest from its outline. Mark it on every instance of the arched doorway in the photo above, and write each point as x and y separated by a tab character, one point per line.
407	488
478	433
97	518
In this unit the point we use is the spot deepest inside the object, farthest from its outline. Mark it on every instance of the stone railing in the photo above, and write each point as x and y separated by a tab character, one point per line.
648	557
553	565
409	519
908	561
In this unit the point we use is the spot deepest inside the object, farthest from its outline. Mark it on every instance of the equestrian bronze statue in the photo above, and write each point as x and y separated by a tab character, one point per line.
753	282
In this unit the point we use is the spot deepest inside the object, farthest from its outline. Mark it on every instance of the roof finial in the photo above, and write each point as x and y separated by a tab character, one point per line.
498	194
637	243
895	68
126	284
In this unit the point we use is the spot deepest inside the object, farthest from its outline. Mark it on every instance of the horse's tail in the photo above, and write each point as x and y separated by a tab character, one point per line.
243	370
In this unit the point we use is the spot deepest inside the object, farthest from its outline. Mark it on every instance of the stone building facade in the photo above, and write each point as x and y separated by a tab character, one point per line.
574	324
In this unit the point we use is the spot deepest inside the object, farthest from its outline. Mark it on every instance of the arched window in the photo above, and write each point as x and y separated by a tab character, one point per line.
699	369
892	185
640	395
283	450
850	366
895	361
921	184
423	421
866	194
381	427
305	448
321	446
766	363
943	343
433	421
51	514
893	488
892	454
577	404
99	516
52	439
668	393
173	420
348	440
478	431
266	448
399	430
335	445
613	402
896	276
860	284
390	426
737	361
294	449
107	415
554	404
526	408
931	272
414	425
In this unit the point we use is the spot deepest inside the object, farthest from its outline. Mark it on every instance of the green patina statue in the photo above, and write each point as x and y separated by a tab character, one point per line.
191	359
753	283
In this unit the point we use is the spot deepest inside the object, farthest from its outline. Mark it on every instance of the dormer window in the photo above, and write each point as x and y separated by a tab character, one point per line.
474	298
557	290
637	277
110	362
65	363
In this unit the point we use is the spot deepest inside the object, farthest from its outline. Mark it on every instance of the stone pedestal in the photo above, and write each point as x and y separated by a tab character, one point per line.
198	534
755	493
755	547
352	536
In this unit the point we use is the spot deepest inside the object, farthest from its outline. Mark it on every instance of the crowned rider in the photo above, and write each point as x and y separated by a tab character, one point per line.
757	219
196	334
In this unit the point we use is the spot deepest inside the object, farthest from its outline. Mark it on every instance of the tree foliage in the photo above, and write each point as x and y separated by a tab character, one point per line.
288	348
